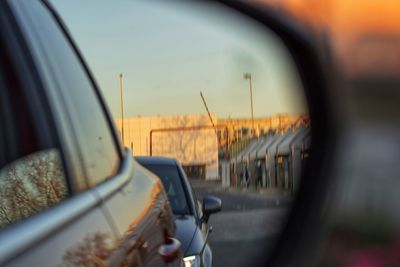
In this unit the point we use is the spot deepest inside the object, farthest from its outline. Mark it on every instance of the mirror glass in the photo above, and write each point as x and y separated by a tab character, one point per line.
215	90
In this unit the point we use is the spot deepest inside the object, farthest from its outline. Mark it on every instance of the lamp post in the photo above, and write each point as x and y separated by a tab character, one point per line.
247	76
122	109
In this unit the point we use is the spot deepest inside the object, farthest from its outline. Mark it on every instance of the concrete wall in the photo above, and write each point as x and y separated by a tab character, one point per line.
190	147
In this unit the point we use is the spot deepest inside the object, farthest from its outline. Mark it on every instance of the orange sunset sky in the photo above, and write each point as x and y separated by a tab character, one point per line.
365	33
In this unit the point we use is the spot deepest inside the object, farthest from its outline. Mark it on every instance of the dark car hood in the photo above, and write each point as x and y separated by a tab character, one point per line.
186	227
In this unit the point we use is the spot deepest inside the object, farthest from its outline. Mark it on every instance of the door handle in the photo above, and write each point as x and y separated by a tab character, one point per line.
170	250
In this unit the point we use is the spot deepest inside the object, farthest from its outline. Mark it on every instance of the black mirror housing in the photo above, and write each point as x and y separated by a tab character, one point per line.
210	205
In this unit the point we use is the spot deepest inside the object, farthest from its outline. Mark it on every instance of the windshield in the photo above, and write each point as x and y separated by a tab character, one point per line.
171	180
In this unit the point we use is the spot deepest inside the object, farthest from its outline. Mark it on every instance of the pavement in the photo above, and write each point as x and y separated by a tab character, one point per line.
216	185
248	225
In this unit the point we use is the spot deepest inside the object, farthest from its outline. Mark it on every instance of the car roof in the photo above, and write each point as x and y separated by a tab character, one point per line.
156	160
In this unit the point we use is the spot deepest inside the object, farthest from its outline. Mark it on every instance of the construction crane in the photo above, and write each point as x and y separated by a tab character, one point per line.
209	115
215	128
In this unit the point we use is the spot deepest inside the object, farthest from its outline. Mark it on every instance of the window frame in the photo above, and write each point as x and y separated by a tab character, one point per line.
47	223
26	78
65	122
121	152
113	130
20	74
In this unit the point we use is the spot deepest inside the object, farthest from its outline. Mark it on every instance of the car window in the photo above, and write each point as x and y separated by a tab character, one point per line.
197	204
30	185
95	140
172	182
32	178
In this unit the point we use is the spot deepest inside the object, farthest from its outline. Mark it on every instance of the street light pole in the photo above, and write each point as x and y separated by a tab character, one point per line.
247	76
122	109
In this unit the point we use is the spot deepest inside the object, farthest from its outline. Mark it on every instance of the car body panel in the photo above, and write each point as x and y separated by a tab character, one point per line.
199	247
141	215
186	227
190	230
61	242
124	219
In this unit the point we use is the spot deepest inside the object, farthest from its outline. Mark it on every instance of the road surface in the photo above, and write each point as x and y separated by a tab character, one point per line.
245	229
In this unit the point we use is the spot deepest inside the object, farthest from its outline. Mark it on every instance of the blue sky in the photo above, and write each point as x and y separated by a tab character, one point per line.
169	52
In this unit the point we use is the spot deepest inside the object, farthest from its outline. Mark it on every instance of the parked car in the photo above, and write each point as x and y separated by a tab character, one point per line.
70	195
191	218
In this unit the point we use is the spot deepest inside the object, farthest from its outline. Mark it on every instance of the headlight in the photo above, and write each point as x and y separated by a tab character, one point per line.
191	261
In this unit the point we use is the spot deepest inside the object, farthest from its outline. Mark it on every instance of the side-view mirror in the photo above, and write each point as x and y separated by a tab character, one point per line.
211	205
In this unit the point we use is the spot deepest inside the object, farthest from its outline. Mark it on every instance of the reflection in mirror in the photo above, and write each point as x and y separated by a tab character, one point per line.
94	250
211	205
212	89
30	185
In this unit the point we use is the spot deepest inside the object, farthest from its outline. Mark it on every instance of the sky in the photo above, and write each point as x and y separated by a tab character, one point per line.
170	51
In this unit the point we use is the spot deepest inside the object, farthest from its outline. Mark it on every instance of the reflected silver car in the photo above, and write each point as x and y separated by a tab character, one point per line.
70	195
191	217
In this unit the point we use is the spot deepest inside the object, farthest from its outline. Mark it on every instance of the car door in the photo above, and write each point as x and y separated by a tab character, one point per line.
49	217
89	169
132	200
142	216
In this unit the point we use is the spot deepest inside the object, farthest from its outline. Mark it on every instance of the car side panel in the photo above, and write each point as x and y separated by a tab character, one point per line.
65	235
75	232
199	244
141	216
123	222
198	247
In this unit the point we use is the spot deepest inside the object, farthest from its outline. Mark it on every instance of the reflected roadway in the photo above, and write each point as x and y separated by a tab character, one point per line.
246	227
